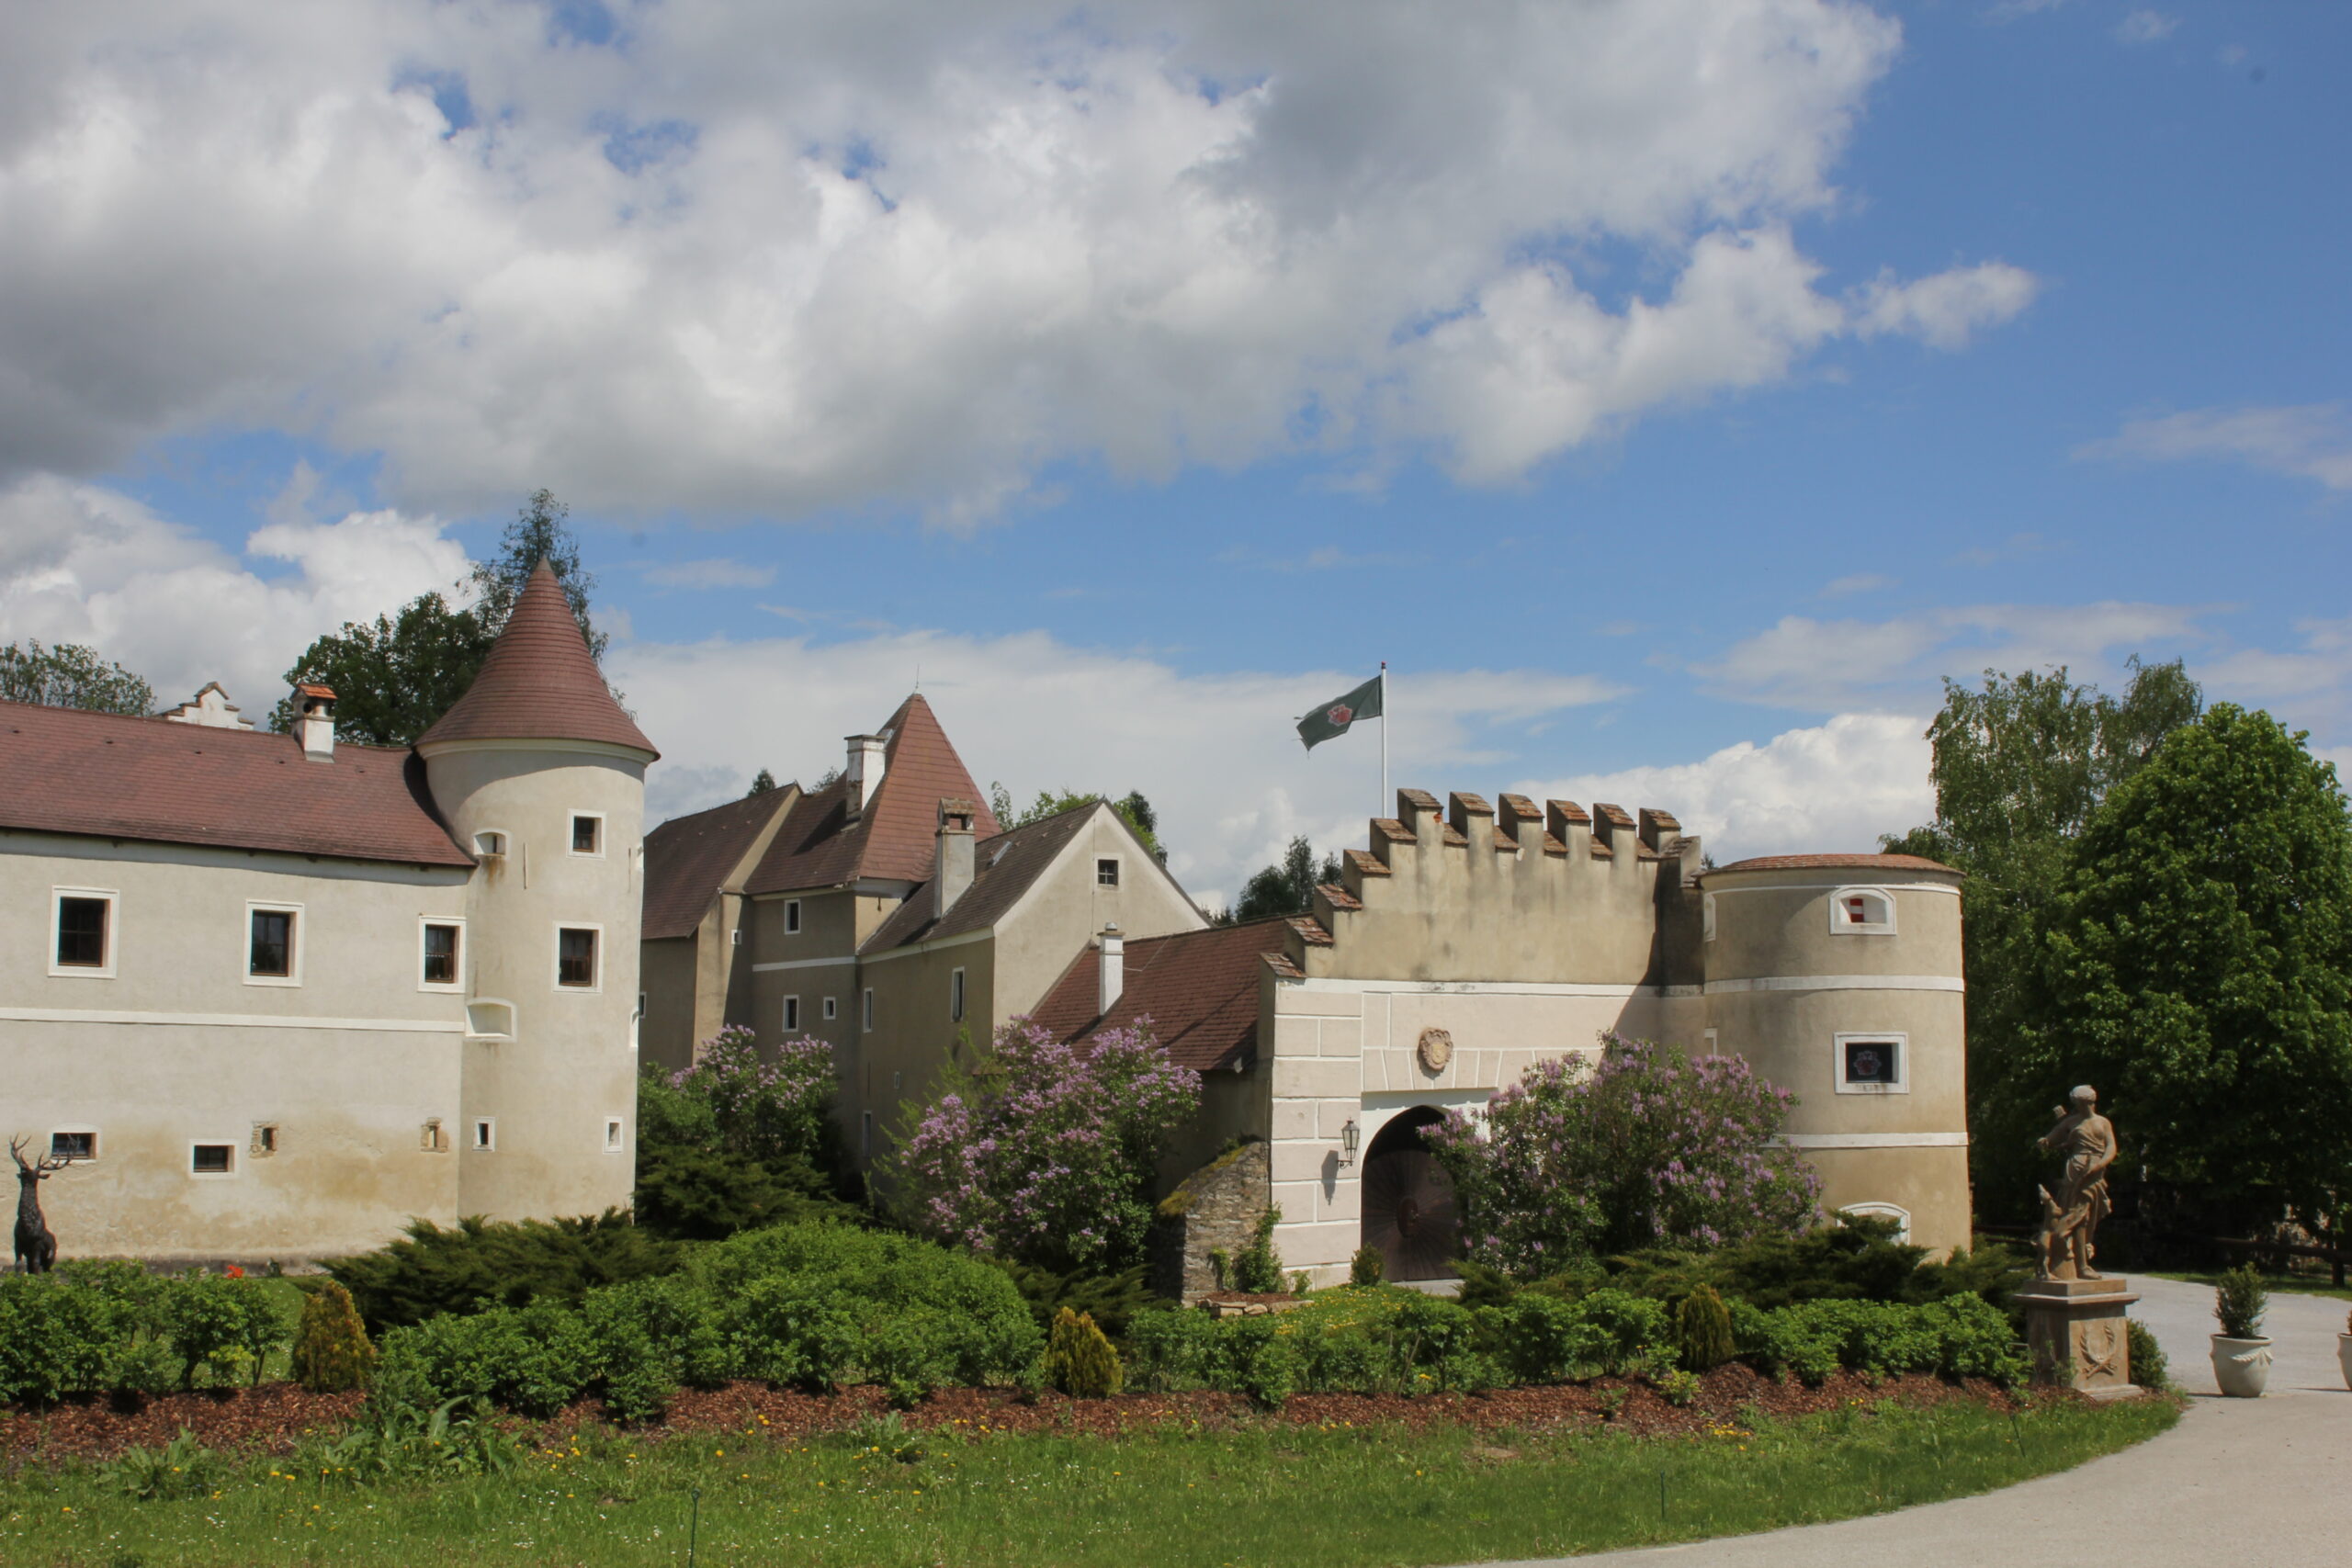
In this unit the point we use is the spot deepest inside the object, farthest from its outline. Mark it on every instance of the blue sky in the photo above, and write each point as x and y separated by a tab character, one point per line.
1672	400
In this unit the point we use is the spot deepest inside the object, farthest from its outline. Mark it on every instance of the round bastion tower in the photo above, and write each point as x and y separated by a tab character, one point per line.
541	774
1839	977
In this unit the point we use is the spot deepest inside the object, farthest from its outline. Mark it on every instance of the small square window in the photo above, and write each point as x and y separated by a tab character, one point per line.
792	917
78	1143
484	1138
956	997
81	932
616	1136
440	953
576	957
791	1014
1861	911
587	835
270	951
490	842
1106	873
264	1140
1873	1064
832	1009
211	1159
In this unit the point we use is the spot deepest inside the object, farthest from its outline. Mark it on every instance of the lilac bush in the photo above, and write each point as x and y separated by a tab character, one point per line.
1646	1147
1045	1151
768	1110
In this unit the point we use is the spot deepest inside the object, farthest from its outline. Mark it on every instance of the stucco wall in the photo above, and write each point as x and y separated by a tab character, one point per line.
666	974
1067	908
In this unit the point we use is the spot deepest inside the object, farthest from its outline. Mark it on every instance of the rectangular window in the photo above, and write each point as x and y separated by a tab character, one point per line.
81	932
792	917
832	1010
956	997
866	1135
1106	873
1873	1064
615	1137
264	1140
867	1017
485	1135
587	834
440	952
269	954
74	1144
575	962
791	1014
211	1159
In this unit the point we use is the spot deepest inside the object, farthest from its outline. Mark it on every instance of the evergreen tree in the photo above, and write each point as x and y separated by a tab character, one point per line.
1286	887
69	675
763	782
538	533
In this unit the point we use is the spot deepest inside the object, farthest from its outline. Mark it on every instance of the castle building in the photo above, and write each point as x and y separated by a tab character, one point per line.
275	994
1467	941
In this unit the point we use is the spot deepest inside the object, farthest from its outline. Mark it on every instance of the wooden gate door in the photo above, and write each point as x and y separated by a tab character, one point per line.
1408	1209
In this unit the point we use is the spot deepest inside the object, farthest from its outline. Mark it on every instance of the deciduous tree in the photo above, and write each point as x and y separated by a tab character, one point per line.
69	675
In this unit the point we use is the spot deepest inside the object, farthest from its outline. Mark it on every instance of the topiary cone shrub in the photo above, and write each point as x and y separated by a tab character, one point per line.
1079	1359
1702	1330
1366	1267
332	1354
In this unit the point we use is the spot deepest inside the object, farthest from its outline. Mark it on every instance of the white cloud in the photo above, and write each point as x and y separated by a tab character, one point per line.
2146	26
801	256
717	572
1829	788
79	563
2312	441
1859	582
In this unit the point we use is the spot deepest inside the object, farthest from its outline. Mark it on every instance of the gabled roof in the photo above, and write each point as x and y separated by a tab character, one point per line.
689	859
1003	868
539	682
1198	989
104	775
896	838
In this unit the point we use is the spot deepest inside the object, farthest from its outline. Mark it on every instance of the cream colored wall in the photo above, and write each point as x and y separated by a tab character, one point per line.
666	973
572	1061
900	1058
1065	909
176	1046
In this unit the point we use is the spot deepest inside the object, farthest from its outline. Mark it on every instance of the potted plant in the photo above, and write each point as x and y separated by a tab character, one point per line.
2344	1350
2241	1356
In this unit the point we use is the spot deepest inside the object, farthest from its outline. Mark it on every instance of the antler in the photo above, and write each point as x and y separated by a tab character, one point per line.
41	1166
16	1152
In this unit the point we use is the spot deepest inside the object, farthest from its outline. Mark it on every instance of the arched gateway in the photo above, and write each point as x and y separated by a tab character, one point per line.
1409	1208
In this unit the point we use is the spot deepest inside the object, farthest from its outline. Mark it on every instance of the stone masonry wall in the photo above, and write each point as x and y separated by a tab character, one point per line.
1217	1207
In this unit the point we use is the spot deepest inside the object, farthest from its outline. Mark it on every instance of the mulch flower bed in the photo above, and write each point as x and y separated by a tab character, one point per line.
276	1417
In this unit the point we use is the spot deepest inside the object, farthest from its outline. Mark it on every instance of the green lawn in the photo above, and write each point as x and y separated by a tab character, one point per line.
1269	1493
2290	1285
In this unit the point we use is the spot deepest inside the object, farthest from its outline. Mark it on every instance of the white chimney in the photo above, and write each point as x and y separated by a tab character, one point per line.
864	769
314	721
1111	973
952	871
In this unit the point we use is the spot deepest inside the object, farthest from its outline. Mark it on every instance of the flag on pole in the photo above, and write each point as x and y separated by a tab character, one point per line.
1332	719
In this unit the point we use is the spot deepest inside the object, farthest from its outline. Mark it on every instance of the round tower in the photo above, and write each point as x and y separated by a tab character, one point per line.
541	774
1840	978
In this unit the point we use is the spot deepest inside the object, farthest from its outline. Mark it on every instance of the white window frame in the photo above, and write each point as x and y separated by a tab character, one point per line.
792	917
505	841
481	1135
1841	926
80	1130
1899	1038
555	973
572	835
113	901
955	996
1118	872
459	957
832	1009
1877	1211
298	933
865	1012
474	1020
615	1135
792	1012
1706	917
236	1166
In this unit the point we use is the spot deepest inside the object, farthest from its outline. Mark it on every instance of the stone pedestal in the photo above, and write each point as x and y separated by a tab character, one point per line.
2075	1332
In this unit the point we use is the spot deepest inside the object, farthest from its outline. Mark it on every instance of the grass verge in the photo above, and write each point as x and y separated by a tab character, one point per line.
2285	1284
1297	1496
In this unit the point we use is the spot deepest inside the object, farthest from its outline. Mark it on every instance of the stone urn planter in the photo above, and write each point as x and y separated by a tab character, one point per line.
2242	1366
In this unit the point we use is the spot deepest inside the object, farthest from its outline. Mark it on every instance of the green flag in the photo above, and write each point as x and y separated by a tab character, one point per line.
1332	719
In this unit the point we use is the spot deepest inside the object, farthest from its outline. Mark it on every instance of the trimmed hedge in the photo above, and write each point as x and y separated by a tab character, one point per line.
113	1327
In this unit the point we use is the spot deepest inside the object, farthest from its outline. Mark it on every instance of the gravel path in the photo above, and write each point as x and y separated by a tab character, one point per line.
2240	1481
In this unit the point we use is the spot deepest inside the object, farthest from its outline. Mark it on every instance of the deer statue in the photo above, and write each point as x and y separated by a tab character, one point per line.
36	1248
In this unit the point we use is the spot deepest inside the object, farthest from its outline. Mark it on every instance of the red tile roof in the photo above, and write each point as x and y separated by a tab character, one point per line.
897	837
539	682
103	775
1827	863
1198	989
1003	868
688	859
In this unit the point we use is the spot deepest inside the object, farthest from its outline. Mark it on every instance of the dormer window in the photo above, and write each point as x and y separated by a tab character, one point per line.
1861	911
587	833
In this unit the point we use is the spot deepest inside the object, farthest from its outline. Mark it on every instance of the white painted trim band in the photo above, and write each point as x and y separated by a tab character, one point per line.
1875	1140
798	964
228	1020
1838	983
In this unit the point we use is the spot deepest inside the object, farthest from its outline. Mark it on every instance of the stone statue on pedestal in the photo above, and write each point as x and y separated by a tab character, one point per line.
2064	1249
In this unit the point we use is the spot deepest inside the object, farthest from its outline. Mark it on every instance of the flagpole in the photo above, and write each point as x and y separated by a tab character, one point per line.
1383	738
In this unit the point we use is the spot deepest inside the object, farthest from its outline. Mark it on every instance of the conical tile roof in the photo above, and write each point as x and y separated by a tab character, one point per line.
539	682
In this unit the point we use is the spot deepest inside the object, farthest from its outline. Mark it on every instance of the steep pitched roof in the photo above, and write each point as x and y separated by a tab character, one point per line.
103	775
538	683
1003	868
896	836
1198	989
688	859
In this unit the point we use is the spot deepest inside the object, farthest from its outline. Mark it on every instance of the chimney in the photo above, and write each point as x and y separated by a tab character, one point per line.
864	771
314	721
1112	973
952	871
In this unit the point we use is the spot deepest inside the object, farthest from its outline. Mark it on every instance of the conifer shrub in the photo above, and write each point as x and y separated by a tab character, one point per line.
2240	1302
1702	1330
480	1262
2149	1368
1366	1266
1079	1359
332	1351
